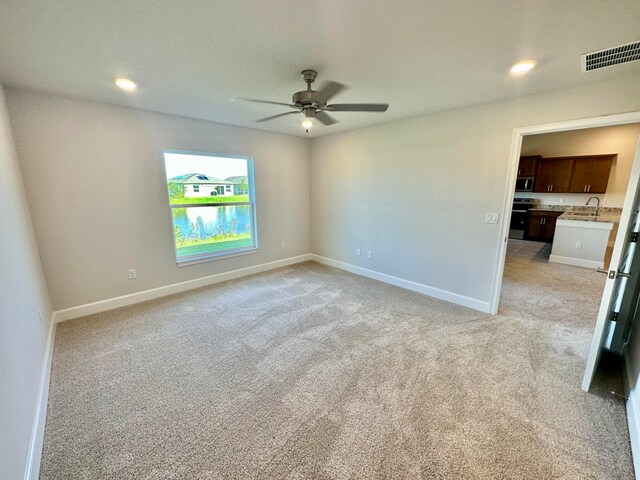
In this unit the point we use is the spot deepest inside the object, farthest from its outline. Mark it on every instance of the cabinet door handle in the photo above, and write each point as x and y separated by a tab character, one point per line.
519	171
588	188
584	189
552	188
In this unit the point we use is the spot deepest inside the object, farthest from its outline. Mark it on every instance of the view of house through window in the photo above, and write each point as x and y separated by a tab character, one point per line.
211	203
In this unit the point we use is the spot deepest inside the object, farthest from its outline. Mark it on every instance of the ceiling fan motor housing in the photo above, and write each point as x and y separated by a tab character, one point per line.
304	98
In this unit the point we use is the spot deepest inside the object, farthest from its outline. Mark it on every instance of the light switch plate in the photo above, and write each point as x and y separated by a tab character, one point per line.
492	217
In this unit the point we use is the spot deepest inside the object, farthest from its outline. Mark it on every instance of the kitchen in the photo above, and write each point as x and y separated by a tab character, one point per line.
569	195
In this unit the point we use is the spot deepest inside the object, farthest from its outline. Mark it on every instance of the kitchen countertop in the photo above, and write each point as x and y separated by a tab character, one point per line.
582	213
548	208
603	217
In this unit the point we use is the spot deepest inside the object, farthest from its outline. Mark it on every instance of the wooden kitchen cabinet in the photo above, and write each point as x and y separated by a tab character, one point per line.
591	174
541	225
527	165
553	174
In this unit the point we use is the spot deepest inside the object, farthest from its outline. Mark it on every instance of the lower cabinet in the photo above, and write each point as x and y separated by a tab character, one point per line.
541	226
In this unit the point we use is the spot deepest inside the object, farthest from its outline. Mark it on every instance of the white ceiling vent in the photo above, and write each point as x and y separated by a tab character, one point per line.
611	56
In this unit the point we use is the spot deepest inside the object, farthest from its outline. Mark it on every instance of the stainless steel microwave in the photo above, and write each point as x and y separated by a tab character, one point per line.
524	184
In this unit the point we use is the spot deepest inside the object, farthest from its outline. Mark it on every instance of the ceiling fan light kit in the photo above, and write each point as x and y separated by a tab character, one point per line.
314	103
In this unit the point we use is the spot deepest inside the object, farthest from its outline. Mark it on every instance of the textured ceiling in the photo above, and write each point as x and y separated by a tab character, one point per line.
191	57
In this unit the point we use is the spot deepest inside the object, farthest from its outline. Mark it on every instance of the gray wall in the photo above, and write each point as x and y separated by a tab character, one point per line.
23	337
94	175
416	192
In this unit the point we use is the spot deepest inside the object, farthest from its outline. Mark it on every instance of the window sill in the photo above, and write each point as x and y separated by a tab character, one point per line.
216	256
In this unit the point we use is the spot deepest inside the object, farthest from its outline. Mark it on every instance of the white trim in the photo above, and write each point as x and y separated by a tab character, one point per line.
576	262
213	257
32	470
633	415
408	284
143	296
510	188
514	158
602	330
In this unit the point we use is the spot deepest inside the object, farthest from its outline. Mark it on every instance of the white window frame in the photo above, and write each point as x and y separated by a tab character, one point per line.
251	203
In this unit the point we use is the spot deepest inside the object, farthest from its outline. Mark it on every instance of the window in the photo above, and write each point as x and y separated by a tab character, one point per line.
210	224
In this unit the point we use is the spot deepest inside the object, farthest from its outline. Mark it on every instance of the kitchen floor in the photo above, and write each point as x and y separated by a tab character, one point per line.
528	250
539	251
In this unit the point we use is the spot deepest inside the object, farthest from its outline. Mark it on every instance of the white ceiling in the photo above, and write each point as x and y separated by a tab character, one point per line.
191	57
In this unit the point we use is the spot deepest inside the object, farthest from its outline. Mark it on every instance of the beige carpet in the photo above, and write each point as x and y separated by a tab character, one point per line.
312	373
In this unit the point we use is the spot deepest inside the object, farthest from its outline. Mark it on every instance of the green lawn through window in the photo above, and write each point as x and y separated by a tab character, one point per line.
213	246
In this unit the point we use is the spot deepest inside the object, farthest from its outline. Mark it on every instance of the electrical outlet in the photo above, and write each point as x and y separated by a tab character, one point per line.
369	254
283	245
492	217
132	273
578	244
358	253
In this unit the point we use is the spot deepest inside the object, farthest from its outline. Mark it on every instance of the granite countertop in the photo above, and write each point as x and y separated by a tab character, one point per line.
582	213
548	208
603	217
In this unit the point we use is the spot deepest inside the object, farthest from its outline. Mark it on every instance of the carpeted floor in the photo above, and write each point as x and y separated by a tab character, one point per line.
309	372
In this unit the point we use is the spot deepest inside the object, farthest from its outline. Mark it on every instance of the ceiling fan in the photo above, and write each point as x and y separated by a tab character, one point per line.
313	103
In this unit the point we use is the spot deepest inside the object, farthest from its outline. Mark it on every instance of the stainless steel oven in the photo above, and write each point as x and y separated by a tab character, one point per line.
519	216
524	184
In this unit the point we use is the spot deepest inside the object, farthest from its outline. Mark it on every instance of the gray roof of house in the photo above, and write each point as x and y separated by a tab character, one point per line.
236	179
199	178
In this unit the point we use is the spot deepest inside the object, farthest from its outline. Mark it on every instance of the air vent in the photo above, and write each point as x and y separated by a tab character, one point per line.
611	56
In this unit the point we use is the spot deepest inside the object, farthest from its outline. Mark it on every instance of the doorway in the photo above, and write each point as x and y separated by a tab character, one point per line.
625	199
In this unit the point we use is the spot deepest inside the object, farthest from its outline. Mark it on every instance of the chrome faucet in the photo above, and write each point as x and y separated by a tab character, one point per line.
597	204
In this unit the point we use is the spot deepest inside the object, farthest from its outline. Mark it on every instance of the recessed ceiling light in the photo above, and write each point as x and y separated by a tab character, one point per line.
523	67
126	84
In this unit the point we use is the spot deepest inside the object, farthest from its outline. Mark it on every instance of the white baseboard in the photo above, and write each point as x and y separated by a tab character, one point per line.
408	284
633	414
32	471
576	262
143	296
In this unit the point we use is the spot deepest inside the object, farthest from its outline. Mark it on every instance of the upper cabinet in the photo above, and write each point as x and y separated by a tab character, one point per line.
527	165
591	174
553	175
584	174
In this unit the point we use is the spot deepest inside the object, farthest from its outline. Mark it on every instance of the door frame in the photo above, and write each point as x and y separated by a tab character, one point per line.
514	157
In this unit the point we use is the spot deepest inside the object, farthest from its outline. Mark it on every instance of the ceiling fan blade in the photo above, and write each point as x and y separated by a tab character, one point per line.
325	118
275	116
328	90
357	107
255	100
